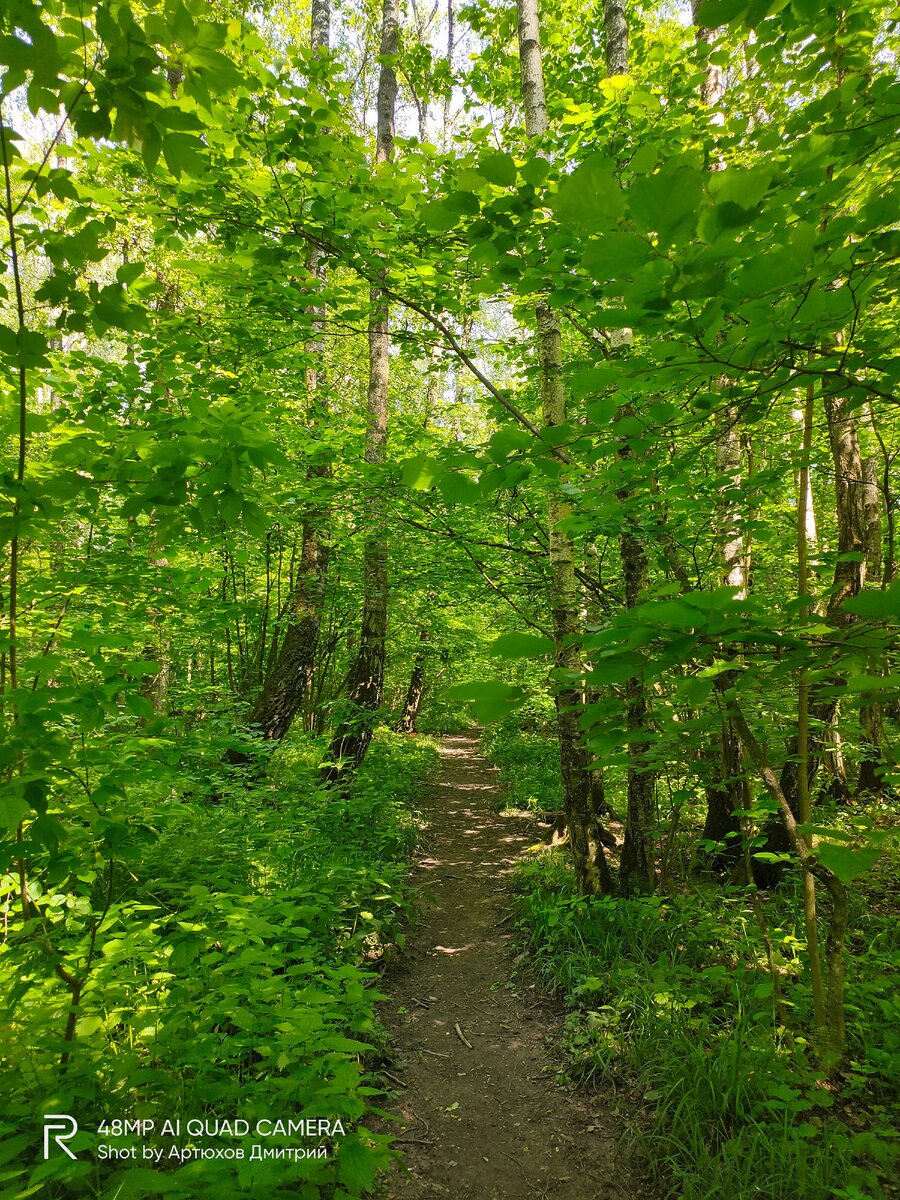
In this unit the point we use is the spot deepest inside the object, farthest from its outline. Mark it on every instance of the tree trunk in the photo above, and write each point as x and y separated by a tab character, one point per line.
724	796
637	869
872	715
407	722
288	683
829	1004
591	868
871	502
724	792
850	492
364	689
849	579
616	29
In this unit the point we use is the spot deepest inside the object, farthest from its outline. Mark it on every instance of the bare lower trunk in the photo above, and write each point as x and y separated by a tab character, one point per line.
637	870
288	684
724	797
407	721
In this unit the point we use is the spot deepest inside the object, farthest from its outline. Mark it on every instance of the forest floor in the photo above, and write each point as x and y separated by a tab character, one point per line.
482	1115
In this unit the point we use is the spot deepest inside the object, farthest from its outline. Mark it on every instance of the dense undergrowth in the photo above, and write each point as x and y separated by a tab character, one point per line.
232	979
518	745
671	1003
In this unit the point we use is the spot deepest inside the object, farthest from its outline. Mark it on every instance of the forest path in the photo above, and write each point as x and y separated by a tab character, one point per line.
487	1122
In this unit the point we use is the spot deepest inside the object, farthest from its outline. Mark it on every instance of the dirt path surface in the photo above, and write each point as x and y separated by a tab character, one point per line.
483	1121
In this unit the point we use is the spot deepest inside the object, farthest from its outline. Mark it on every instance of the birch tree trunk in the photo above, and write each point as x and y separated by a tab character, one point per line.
591	868
616	29
365	680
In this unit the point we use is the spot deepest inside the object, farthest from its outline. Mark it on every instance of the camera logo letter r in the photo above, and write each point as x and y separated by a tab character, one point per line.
62	1127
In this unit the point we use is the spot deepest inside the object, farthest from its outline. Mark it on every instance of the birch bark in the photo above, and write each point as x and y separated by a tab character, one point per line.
591	868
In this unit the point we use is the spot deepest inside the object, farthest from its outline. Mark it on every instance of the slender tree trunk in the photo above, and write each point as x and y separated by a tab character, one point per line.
364	688
871	502
829	1006
637	870
848	580
888	541
593	615
724	792
637	867
407	721
850	496
288	682
871	714
616	29
589	859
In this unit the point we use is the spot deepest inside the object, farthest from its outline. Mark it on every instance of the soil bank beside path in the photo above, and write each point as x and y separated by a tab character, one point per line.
487	1120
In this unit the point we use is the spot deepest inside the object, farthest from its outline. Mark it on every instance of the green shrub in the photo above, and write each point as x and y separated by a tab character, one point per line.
525	750
232	978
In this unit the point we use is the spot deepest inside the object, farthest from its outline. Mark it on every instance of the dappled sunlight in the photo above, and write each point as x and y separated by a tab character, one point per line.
470	1060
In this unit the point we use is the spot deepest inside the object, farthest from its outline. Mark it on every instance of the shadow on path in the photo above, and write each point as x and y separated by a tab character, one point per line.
484	1121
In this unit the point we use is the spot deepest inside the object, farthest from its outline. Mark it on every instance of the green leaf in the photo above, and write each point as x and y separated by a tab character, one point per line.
744	186
13	810
129	272
356	1165
420	473
490	699
845	862
522	645
457	488
591	196
230	505
507	441
669	200
535	170
184	154
879	606
464	203
873	683
499	169
617	254
438	217
713	13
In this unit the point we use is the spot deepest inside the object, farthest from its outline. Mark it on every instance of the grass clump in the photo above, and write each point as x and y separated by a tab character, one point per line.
671	1001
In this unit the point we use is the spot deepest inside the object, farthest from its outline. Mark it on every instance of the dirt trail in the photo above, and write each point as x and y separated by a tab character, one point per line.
487	1122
